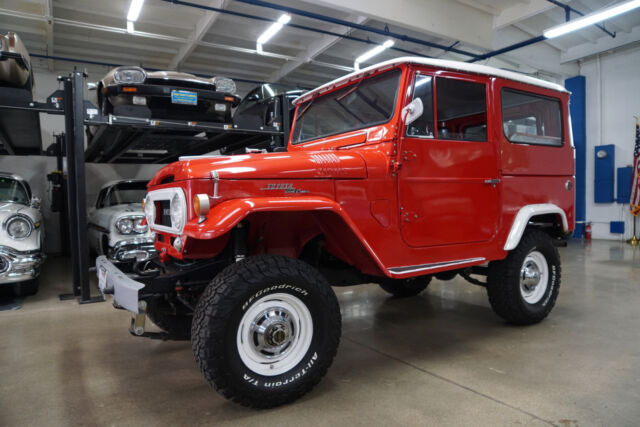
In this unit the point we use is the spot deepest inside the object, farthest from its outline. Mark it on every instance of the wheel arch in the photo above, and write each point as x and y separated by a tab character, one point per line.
544	213
284	226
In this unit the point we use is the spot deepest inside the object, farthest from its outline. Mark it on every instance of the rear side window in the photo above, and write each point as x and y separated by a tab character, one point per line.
461	110
531	119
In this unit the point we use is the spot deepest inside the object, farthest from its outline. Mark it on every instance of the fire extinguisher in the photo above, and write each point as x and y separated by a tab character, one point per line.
587	231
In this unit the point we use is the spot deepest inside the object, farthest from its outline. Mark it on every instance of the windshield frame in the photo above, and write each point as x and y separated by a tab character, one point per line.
24	187
350	84
114	187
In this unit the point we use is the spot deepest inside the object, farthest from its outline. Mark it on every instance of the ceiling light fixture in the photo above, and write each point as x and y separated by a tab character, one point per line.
373	52
271	31
130	28
590	19
134	10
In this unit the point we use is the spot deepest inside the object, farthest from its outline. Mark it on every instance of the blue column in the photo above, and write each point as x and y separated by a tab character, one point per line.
577	109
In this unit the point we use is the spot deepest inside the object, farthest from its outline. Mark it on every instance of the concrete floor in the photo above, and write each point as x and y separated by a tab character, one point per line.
440	358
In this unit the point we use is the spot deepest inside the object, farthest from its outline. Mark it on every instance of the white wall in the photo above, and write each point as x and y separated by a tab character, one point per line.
612	101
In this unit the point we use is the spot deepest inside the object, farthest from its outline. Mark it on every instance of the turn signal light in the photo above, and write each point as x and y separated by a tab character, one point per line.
201	205
129	89
229	98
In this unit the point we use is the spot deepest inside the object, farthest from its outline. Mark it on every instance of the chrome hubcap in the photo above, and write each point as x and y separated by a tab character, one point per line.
534	277
272	331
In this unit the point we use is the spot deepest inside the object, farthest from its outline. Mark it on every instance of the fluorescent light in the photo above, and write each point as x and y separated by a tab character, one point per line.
273	29
373	52
134	10
130	28
590	19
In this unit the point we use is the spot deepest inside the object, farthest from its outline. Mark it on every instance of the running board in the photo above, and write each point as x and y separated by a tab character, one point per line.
433	266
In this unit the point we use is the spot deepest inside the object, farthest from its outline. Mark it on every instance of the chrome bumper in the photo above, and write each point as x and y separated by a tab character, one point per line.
17	266
111	280
133	250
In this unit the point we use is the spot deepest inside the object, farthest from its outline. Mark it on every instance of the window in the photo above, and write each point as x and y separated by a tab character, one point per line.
124	193
13	191
531	119
423	125
461	110
365	103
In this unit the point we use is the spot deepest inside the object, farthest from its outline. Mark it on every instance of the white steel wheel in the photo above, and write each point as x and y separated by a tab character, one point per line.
534	277
274	334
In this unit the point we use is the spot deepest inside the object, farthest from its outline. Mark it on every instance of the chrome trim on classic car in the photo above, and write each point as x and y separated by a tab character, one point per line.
433	266
17	266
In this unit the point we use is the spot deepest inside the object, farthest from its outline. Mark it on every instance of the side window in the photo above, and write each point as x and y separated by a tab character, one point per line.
531	119
423	126
100	199
461	110
250	100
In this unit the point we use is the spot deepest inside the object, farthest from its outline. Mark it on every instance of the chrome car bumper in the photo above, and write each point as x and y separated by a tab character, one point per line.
111	280
17	266
133	250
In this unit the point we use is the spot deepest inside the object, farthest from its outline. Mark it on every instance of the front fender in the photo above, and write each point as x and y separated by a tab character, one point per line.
225	216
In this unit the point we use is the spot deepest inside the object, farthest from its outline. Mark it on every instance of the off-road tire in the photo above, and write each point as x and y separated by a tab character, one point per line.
217	328
503	282
403	288
26	288
178	325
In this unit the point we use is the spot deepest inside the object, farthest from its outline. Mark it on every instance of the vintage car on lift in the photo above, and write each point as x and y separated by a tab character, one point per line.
404	171
117	226
15	63
135	92
21	237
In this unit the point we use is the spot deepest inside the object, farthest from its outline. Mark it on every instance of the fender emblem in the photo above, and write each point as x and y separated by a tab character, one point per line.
287	188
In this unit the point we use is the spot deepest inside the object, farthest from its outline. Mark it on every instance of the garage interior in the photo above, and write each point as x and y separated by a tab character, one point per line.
442	357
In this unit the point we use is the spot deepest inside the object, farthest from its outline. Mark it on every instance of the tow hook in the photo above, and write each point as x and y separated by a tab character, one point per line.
138	320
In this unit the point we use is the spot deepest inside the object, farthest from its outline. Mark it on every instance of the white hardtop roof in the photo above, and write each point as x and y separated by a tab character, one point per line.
436	63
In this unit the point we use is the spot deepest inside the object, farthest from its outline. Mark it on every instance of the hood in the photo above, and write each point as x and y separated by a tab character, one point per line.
175	75
289	165
121	209
8	209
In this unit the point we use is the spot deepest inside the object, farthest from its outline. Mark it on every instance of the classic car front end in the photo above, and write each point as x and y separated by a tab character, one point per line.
117	226
21	236
132	91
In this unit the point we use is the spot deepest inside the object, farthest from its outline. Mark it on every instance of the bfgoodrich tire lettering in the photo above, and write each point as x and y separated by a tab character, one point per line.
218	324
509	294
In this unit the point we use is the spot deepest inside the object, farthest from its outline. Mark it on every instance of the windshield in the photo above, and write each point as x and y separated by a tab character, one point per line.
126	192
13	191
362	104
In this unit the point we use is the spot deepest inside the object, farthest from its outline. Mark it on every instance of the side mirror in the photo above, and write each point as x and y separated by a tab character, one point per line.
35	202
92	86
413	111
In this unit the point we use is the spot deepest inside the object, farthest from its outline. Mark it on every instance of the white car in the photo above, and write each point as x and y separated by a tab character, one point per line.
117	226
21	237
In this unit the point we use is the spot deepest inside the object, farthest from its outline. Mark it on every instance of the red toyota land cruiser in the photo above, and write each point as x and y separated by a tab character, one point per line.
401	172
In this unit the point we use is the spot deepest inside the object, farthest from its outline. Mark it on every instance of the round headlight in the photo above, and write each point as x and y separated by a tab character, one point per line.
129	75
125	225
19	227
177	212
149	210
140	225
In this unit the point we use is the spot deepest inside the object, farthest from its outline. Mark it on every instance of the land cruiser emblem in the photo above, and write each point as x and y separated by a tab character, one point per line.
288	188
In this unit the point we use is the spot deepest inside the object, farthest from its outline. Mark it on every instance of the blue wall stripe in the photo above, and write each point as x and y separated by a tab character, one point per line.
577	108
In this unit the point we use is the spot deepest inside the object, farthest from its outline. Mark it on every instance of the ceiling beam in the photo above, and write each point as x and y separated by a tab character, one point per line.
441	18
603	44
314	49
202	27
519	12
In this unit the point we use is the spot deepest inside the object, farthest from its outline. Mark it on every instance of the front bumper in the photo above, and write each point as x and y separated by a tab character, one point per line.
133	250
18	266
111	280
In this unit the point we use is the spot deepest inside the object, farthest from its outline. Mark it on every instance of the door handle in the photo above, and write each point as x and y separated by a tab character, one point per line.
492	182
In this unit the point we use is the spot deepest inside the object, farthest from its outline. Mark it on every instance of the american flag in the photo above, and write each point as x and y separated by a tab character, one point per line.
635	183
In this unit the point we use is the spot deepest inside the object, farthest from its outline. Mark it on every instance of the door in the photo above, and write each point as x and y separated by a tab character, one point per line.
448	182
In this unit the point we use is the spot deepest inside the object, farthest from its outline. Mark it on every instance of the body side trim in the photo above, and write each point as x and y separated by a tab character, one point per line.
432	266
